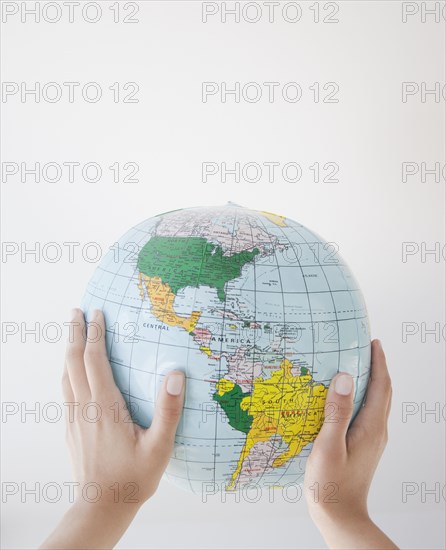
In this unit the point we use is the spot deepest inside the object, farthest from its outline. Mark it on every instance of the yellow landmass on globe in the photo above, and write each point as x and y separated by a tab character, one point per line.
224	386
285	405
206	350
275	218
162	298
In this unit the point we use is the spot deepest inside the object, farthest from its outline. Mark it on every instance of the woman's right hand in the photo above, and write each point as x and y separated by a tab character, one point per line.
343	460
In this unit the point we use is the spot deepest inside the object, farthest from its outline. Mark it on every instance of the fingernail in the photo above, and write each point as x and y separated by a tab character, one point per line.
344	384
175	382
379	344
73	313
97	314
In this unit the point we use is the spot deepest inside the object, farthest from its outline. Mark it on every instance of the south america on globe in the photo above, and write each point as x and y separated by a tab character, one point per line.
258	311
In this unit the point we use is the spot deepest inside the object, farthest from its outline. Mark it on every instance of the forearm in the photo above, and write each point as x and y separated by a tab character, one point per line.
91	526
356	534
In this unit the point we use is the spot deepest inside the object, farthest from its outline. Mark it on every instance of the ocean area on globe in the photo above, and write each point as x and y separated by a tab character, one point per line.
258	311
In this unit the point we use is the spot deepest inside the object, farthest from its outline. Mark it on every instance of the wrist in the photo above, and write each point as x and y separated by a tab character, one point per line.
327	519
353	531
344	530
113	498
106	508
94	525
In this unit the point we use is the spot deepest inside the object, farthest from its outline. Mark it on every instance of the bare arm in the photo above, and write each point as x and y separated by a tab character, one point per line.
346	458
122	462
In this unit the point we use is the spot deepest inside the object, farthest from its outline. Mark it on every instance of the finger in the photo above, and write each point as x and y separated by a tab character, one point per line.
97	365
74	358
376	409
338	413
67	390
160	436
389	406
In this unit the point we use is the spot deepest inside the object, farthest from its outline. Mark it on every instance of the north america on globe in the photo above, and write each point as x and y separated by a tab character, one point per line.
258	311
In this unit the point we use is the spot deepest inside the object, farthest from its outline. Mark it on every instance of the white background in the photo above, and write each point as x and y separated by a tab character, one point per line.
370	212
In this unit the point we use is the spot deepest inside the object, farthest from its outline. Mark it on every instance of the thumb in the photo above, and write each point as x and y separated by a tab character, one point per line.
338	413
168	409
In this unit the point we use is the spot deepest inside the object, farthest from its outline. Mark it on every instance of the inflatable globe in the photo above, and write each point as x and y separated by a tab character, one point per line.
259	313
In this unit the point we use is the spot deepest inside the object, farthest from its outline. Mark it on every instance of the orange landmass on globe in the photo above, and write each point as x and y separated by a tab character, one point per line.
162	299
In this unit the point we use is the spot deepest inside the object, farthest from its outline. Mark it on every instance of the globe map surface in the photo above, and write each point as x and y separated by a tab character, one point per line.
259	312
